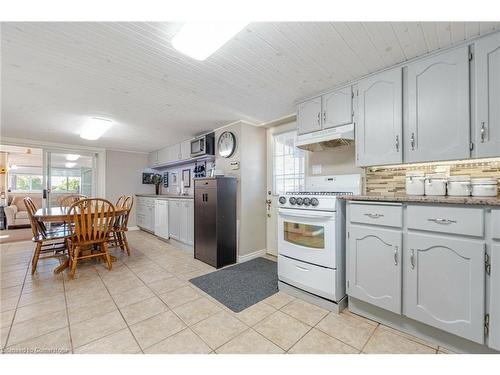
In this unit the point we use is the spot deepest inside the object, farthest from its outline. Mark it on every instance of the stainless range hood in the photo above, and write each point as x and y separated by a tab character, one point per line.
326	139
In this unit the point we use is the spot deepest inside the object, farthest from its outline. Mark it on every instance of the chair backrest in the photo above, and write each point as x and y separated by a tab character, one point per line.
93	219
120	201
68	200
37	227
122	220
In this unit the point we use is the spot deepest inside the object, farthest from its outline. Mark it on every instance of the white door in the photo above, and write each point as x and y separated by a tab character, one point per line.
272	223
379	120
494	334
444	284
486	133
308	236
337	108
309	116
374	266
438	108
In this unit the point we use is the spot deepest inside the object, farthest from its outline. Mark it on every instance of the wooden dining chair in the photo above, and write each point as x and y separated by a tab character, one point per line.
93	220
118	237
49	243
68	200
120	201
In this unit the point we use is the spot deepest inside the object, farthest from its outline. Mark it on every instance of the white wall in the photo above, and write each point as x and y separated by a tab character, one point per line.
339	160
124	176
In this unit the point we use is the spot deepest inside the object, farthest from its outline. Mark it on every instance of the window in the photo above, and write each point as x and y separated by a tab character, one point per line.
65	184
288	164
25	182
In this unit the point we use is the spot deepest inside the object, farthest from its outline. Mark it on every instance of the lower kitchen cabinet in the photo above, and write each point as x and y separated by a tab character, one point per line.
145	213
161	218
374	266
494	314
444	283
181	220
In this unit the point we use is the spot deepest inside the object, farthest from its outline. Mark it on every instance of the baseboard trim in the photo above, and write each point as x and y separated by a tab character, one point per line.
255	254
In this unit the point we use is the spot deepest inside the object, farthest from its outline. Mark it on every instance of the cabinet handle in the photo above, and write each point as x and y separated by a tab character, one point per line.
412	141
412	258
396	256
374	216
397	143
483	132
443	221
319	118
301	268
324	116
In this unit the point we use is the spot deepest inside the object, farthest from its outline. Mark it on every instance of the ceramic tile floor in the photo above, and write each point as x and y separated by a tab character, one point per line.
146	305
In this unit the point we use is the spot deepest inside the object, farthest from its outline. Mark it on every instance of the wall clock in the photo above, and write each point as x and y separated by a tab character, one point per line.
226	145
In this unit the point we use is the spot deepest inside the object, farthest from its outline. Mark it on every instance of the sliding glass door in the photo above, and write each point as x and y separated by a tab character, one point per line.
68	172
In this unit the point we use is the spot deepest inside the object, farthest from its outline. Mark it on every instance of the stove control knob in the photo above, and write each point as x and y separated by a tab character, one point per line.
282	200
299	201
292	200
307	201
314	202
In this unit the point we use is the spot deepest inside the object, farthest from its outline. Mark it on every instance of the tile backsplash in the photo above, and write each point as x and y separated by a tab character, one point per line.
390	180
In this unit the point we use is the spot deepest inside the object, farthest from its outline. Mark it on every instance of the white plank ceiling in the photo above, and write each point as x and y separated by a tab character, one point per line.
56	75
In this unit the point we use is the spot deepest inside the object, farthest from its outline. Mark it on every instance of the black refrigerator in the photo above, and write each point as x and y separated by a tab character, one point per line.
215	220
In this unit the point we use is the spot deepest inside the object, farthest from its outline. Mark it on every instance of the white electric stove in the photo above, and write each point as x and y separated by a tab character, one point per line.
311	239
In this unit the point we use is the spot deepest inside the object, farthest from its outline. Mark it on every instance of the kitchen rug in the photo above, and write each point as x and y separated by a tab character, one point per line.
242	285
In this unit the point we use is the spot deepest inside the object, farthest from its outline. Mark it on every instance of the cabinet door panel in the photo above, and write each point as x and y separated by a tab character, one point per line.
374	266
494	337
337	108
379	126
444	284
438	108
163	156
309	116
487	124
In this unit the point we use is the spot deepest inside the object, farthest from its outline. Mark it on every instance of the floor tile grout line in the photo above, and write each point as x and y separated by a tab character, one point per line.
67	317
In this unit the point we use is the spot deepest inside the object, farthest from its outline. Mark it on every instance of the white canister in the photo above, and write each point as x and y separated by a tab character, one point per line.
435	184
484	187
415	181
459	186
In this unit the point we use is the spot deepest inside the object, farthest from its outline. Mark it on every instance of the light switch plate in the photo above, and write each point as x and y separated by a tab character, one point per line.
316	169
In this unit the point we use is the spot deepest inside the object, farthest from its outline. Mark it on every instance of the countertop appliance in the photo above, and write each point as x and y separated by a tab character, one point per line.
204	145
215	220
311	238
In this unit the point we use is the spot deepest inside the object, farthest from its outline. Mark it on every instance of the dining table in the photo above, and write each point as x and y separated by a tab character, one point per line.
60	215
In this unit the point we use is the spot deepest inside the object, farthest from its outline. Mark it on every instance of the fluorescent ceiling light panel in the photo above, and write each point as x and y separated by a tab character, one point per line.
69	165
72	157
201	39
94	128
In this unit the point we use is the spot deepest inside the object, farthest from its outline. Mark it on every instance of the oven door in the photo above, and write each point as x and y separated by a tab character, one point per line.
308	236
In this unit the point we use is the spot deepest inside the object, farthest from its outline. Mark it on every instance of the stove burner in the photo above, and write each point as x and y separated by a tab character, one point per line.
333	193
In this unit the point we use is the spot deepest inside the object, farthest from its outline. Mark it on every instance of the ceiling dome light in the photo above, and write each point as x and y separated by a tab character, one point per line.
69	165
72	157
95	127
199	40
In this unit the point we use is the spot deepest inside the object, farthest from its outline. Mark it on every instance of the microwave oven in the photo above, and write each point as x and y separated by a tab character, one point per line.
204	145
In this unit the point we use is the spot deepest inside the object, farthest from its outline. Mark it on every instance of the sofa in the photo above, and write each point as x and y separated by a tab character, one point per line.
16	213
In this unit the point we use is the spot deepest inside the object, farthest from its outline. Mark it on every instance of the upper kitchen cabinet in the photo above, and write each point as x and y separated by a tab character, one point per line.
186	150
438	126
337	108
486	131
379	120
324	112
309	116
153	158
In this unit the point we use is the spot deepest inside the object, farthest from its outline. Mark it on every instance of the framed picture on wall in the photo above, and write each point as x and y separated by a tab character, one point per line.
173	176
165	179
186	177
147	178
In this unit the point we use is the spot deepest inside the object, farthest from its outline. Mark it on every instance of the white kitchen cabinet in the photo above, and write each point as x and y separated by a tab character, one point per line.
444	283
174	153
309	116
374	266
153	158
161	218
163	156
187	222
145	213
174	211
438	125
337	108
486	132
186	150
494	313
379	121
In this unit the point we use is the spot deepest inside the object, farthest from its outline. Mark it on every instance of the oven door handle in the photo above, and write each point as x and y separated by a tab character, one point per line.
305	214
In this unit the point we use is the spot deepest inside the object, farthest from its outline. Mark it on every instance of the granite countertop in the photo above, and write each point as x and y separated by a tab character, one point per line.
165	196
484	201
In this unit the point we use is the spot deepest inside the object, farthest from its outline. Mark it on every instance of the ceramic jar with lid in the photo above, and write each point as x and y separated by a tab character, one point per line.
459	186
435	184
415	183
484	187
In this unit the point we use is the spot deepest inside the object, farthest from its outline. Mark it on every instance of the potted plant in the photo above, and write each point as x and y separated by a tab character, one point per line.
157	180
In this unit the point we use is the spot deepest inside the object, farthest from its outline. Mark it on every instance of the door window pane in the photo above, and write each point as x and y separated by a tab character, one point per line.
288	164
